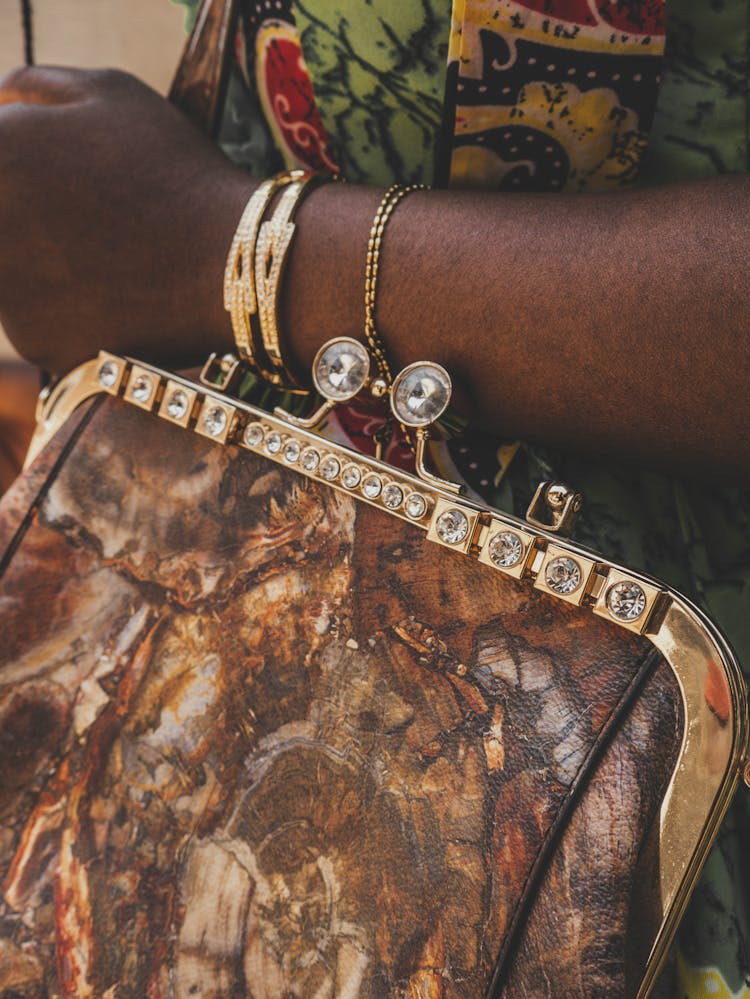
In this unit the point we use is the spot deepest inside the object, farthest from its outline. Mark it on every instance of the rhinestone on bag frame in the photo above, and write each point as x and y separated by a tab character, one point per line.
253	435
372	486
309	459
506	549
351	476
563	575
393	496
452	526
416	506
215	421
292	451
108	374
178	403
274	442
330	468
143	388
626	600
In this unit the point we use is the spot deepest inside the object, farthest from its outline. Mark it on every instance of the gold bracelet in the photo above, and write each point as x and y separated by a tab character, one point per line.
239	284
271	255
390	200
240	297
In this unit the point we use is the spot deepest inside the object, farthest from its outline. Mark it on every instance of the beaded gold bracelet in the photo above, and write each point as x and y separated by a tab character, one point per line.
387	206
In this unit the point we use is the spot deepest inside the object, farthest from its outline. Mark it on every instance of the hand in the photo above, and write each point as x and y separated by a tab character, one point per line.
115	218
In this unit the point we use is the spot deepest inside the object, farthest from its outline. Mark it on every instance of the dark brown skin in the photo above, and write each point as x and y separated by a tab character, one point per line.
604	323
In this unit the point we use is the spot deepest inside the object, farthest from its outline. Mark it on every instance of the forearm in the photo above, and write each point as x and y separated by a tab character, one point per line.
614	324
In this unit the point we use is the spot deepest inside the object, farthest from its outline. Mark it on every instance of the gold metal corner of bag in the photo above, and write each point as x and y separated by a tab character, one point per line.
57	402
711	761
713	754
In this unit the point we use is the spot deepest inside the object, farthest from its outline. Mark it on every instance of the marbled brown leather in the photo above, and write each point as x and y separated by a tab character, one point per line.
257	739
200	79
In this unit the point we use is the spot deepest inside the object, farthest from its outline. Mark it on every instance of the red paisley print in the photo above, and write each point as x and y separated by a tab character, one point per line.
633	17
287	93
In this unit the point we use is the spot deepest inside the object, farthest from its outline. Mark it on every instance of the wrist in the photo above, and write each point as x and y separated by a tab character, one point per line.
207	326
325	281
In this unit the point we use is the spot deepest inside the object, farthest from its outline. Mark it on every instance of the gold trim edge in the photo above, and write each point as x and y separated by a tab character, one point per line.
715	737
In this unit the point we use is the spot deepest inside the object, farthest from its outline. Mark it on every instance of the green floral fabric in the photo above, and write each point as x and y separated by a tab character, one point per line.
702	122
380	91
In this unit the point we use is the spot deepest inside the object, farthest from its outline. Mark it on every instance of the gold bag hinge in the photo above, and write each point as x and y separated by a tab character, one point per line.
554	507
223	373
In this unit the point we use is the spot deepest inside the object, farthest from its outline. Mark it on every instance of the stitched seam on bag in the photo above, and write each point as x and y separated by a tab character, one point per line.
538	869
46	485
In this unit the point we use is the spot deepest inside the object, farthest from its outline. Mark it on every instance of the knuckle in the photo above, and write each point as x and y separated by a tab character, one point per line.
42	84
18	78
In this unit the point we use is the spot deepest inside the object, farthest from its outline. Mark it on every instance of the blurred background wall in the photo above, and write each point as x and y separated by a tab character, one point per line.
142	36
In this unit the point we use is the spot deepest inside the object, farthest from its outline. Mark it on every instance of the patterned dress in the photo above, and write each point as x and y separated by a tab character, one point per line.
539	95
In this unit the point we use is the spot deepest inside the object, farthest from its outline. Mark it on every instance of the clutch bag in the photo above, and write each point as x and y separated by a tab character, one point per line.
281	720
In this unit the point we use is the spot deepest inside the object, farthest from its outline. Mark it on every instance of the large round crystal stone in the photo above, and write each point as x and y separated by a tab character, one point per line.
626	601
340	369
452	527
506	549
563	575
177	406
108	374
215	420
421	393
142	388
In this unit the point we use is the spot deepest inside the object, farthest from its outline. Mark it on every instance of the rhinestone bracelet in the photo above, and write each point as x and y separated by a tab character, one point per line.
271	254
254	271
240	299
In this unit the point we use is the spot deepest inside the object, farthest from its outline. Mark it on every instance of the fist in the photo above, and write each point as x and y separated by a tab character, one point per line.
115	218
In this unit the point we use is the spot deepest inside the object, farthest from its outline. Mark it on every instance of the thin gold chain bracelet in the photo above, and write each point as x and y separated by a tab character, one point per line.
392	197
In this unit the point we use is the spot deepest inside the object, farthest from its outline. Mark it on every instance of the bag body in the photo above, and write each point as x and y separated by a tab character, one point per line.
264	737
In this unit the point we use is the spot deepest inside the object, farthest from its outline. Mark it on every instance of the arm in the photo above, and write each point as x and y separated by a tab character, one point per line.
604	323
